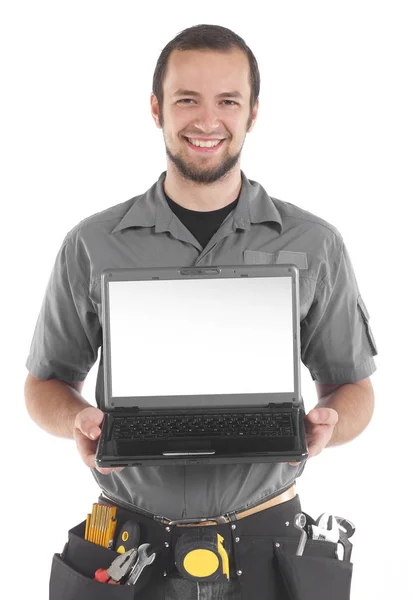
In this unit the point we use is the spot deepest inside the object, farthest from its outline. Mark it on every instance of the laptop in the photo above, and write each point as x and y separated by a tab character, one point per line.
201	366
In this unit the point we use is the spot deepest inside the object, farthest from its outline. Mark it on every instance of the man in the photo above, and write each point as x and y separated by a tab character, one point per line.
203	211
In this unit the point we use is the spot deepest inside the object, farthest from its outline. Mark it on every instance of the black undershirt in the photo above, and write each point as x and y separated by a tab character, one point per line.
202	225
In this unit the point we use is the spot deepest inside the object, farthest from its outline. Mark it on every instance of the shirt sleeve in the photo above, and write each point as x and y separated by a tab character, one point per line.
337	344
68	334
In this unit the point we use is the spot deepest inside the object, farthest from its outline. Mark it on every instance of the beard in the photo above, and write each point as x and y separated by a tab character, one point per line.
202	174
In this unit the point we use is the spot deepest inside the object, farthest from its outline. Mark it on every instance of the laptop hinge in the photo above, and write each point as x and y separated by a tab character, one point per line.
275	406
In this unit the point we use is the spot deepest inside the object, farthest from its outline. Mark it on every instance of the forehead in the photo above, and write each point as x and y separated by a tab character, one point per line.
207	71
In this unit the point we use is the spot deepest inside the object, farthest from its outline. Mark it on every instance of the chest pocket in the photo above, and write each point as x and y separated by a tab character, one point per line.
283	257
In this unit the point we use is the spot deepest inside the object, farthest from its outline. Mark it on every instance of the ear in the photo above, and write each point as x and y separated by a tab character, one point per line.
254	115
155	110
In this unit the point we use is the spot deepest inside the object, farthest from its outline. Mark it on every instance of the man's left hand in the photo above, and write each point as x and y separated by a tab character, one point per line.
319	427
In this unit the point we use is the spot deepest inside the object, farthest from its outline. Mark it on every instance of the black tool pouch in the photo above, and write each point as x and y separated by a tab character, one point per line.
73	571
317	574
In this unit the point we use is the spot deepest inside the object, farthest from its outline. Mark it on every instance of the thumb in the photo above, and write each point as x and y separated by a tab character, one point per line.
323	416
316	415
88	423
94	433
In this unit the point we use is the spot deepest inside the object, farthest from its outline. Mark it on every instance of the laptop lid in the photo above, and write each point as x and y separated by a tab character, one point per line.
196	337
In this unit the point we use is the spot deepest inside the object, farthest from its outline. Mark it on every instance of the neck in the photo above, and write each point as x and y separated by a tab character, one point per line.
200	196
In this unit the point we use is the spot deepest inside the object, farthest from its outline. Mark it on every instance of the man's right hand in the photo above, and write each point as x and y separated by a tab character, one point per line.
86	433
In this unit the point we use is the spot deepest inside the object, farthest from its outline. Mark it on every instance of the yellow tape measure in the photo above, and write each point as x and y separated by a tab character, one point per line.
202	557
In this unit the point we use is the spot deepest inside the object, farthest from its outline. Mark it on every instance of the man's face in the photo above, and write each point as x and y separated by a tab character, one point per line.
211	111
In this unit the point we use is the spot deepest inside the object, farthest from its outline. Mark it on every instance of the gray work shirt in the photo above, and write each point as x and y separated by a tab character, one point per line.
337	344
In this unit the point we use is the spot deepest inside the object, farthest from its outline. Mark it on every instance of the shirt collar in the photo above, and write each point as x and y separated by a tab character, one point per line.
152	209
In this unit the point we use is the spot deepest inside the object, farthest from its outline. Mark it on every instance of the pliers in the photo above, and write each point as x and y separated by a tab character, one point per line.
118	569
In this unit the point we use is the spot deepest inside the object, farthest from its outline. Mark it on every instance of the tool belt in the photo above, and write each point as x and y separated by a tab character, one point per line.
257	552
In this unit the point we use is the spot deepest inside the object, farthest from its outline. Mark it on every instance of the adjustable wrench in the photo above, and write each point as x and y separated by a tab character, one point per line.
346	529
346	526
326	528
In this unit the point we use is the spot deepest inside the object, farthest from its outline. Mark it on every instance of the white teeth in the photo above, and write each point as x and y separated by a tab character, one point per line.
209	144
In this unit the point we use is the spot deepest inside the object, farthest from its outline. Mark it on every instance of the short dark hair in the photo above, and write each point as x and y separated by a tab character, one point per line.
213	37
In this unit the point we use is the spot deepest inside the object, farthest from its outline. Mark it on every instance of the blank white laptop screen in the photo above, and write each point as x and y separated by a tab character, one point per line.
201	336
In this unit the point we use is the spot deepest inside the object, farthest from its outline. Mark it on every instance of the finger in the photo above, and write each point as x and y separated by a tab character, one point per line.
323	416
108	470
88	426
319	431
86	448
314	450
321	434
103	470
94	433
87	455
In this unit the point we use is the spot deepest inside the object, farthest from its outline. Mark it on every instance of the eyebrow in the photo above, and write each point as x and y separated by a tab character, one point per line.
234	94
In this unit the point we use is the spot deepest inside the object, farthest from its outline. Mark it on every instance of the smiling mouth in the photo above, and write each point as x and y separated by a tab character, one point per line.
204	148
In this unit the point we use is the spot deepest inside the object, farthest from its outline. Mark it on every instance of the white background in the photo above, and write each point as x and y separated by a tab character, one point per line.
334	136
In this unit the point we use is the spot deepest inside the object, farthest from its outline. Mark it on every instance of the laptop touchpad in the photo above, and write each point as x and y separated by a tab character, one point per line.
188	445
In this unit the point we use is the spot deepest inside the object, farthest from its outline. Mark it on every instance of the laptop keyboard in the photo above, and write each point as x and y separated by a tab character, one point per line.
211	425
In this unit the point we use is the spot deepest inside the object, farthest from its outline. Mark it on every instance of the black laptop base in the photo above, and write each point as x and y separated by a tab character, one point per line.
141	449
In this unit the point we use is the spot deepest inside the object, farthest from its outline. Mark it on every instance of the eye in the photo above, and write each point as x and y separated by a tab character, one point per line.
186	100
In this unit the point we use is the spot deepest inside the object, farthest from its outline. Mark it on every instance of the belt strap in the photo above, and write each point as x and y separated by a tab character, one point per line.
284	497
236	516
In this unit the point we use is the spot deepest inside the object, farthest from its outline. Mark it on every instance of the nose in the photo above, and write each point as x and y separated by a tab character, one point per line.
207	120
